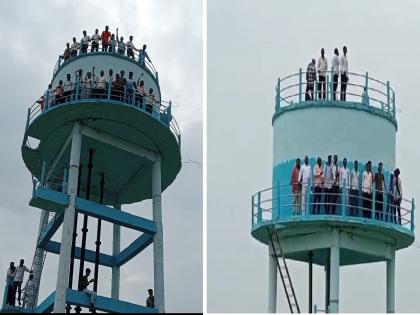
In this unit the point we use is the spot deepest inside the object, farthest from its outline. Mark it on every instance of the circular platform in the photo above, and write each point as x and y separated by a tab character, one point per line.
127	175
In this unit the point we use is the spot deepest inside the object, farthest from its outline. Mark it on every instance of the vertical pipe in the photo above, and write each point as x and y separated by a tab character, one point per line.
327	280
116	243
390	283
311	255
413	207
277	96
252	211
73	244
259	216
85	220
68	222
98	237
335	273
300	85
388	96
272	281
158	237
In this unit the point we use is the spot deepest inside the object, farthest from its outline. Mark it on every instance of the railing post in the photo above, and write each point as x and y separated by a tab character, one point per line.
259	216
385	207
413	207
373	202
388	95
308	189
169	112
277	109
42	181
300	85
252	211
46	100
332	87
367	81
64	184
393	103
109	89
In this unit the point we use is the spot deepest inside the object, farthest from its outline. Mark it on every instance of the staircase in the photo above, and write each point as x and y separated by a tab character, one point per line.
284	272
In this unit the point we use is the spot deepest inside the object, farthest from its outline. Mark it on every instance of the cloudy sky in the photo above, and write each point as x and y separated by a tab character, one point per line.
250	44
33	34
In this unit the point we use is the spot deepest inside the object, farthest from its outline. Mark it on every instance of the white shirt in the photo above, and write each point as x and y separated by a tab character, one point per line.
354	180
335	65
328	176
68	86
96	38
322	66
102	82
20	270
85	39
74	46
336	174
367	180
344	176
344	65
305	174
131	45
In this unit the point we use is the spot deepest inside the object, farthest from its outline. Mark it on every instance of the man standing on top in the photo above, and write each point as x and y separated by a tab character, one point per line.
150	302
335	68
344	68
344	180
379	193
105	36
83	286
131	48
143	54
17	281
84	42
296	188
310	79
74	47
318	178
354	189
367	181
322	75
305	176
397	195
95	41
10	298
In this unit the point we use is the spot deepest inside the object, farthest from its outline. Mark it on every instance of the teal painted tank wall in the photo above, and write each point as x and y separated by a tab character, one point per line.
320	131
106	62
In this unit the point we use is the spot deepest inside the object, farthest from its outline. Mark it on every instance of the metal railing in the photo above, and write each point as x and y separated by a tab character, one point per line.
111	49
160	110
360	88
281	202
50	178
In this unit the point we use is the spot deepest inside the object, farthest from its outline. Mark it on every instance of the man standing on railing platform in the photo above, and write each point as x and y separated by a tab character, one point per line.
17	281
296	188
328	182
344	179
379	194
322	75
84	42
318	179
131	48
105	36
335	69
310	80
74	47
354	190
95	41
142	55
367	182
344	68
397	195
305	175
336	184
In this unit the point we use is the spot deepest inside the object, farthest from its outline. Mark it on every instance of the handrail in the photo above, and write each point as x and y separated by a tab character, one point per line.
110	49
159	110
280	202
360	88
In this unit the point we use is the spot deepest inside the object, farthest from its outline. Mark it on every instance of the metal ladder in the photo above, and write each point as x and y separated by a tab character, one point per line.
39	260
284	273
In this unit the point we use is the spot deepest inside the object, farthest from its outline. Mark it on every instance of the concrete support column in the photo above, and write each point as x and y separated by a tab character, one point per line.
68	221
334	272
158	237
116	247
390	284
272	282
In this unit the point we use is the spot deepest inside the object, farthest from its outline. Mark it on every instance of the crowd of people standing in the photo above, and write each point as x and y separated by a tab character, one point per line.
14	280
109	42
327	182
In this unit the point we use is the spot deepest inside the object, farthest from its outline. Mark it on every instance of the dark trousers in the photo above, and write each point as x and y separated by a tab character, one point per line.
104	46
10	295
354	201
321	87
317	200
139	100
334	198
344	81
94	47
67	96
309	95
84	48
367	204
130	53
397	205
335	84
17	287
379	205
328	198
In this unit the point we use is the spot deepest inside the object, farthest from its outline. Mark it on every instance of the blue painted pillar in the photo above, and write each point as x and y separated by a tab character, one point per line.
300	85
